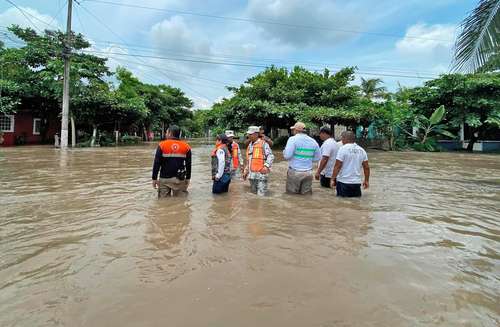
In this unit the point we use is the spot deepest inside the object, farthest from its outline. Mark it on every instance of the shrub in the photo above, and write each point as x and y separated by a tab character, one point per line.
131	140
280	142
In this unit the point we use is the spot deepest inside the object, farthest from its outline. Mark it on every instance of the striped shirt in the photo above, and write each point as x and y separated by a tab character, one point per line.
301	151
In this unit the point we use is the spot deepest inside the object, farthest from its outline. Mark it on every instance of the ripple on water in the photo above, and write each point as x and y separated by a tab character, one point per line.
83	238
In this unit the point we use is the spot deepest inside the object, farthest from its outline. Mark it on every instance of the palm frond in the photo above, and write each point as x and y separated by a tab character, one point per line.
479	38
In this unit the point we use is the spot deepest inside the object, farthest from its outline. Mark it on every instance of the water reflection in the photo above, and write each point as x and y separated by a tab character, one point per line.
85	241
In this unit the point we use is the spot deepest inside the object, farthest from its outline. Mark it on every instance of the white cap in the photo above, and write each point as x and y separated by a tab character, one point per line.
229	133
253	129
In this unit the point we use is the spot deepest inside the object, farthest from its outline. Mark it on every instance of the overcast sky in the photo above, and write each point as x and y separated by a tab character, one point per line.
408	38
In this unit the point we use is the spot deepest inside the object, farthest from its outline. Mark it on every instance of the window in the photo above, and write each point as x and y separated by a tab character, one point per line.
36	126
7	123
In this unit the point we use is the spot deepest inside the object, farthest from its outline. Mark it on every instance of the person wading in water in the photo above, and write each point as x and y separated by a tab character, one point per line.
329	150
237	160
259	161
173	164
221	165
301	151
346	176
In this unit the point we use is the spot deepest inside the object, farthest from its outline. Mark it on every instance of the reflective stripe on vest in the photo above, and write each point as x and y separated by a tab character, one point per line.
235	153
174	149
304	153
257	158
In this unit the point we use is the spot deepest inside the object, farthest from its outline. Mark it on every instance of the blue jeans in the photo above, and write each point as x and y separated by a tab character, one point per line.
222	185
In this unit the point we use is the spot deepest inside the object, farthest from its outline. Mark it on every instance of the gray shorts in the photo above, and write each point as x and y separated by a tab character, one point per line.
172	187
299	182
258	183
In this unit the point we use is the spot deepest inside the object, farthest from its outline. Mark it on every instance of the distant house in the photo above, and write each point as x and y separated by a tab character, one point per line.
24	127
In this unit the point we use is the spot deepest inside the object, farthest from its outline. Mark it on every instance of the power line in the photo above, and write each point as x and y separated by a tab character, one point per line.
176	72
267	22
266	61
119	37
58	12
25	14
237	64
250	65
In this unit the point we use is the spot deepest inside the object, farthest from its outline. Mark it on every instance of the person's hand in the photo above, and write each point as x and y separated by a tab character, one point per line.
264	170
333	183
317	176
366	185
156	183
216	178
187	181
245	174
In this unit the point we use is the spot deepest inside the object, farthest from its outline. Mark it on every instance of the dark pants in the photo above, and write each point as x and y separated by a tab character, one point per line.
222	185
325	181
348	190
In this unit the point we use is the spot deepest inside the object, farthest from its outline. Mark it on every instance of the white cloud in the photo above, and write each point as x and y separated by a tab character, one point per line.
173	37
333	14
200	103
431	41
14	16
111	52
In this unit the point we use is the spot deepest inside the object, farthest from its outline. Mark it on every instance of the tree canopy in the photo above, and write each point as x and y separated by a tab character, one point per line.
31	78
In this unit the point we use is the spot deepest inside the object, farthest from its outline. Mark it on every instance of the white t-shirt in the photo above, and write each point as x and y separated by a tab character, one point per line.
329	149
352	157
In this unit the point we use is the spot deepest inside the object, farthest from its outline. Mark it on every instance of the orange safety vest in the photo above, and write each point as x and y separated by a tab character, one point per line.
257	156
172	148
235	150
214	151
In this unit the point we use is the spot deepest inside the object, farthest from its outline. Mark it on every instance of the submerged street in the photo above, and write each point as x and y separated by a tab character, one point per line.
84	241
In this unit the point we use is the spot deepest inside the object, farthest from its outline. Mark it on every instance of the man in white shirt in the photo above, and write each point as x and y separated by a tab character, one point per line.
346	175
329	150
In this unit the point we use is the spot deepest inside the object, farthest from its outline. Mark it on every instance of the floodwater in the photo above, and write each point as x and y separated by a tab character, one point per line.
85	242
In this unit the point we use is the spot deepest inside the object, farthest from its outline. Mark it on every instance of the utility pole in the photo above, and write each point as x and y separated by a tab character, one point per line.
66	55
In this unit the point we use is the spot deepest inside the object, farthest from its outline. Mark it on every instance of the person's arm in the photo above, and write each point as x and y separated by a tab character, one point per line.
240	157
188	165
336	171
268	140
156	167
222	162
289	149
269	158
246	170
366	170
317	154
322	165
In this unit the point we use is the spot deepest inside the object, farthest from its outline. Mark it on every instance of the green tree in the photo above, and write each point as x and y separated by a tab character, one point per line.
479	39
370	88
471	99
278	97
34	73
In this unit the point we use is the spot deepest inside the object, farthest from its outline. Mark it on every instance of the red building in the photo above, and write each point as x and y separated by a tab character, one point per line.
24	127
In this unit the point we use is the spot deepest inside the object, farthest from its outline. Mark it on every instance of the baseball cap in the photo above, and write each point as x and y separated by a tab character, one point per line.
229	133
299	126
253	129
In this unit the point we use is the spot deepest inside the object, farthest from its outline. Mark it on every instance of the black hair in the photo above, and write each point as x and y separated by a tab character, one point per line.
174	130
223	138
326	130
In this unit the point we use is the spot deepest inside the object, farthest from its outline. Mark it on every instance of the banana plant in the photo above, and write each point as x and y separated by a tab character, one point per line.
432	125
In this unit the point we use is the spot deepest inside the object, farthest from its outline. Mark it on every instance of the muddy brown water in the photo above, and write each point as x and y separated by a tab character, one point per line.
85	242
